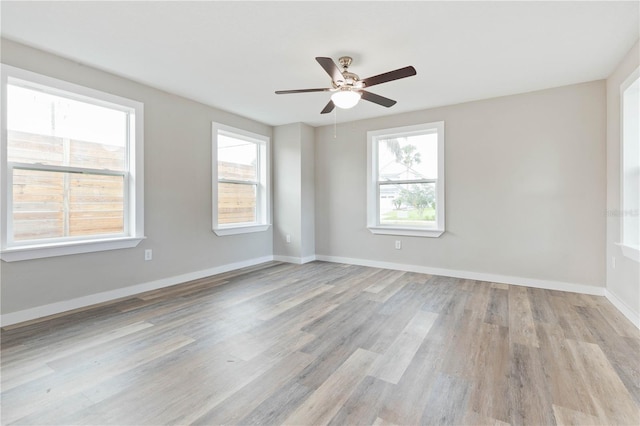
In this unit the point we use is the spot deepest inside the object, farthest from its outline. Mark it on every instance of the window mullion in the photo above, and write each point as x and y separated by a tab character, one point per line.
63	169
237	181
406	182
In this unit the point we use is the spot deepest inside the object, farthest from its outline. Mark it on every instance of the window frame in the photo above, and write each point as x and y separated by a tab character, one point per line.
373	182
262	185
628	250
133	175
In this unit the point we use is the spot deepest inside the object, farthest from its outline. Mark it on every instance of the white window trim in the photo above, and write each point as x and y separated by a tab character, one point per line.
631	252
36	249
628	251
263	185
373	218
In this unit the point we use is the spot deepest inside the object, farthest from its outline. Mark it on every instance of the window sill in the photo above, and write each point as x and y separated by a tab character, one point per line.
221	232
632	253
39	251
411	232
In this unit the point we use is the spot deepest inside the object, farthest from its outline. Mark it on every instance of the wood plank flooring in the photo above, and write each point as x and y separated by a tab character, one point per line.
326	343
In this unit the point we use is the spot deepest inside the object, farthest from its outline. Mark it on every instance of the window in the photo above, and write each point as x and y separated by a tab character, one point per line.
630	166
72	176
405	190
241	192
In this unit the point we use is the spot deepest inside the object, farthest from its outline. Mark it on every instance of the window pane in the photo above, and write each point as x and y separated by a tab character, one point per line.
236	203
96	204
237	159
38	205
51	129
408	158
407	204
55	204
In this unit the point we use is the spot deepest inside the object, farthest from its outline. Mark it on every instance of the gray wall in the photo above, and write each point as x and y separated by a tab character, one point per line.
525	183
307	212
294	192
287	185
525	188
177	198
623	281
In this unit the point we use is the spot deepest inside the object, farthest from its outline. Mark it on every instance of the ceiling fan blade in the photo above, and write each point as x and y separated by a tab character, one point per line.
330	106
284	92
331	68
389	76
377	99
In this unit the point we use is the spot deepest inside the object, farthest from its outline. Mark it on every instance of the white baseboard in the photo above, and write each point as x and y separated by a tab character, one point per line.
631	315
296	260
308	259
85	301
481	276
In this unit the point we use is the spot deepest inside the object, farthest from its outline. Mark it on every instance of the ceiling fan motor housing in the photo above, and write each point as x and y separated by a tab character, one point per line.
351	80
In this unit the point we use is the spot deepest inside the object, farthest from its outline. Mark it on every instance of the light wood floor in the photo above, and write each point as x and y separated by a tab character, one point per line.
326	343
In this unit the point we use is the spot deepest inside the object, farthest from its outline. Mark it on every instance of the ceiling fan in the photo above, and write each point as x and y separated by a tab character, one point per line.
347	87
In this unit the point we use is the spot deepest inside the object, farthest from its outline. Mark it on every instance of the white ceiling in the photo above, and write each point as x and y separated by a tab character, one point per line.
234	55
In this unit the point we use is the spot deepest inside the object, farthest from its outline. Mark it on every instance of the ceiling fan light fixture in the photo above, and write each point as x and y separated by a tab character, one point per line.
345	98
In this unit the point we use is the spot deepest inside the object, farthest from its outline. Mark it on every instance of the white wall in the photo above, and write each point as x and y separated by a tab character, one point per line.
525	189
623	281
177	199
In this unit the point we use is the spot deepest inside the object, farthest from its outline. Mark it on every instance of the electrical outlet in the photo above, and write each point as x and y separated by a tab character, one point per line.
288	238
148	254
398	244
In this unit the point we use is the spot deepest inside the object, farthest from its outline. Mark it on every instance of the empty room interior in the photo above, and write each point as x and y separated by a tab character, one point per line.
306	213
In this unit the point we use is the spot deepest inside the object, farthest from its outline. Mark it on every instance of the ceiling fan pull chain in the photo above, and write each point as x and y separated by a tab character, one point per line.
335	115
